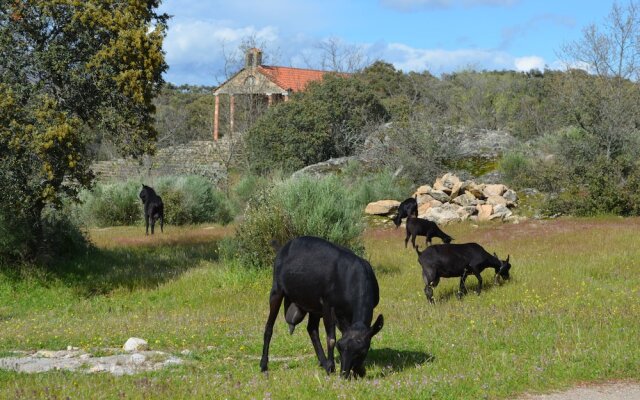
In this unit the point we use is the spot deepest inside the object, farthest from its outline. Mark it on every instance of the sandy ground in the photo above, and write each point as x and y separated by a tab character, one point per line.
603	391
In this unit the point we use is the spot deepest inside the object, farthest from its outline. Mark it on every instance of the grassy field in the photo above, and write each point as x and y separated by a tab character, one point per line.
570	314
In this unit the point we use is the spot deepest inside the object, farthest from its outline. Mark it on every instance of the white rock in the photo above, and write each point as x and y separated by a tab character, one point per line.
494	190
496	200
137	359
510	196
382	207
135	344
439	195
443	214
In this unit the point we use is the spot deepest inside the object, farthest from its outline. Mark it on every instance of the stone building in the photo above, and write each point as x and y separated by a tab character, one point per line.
273	82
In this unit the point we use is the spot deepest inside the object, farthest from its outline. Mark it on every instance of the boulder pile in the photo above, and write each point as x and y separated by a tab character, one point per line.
450	199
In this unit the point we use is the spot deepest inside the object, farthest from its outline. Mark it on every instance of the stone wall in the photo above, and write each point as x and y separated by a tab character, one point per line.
205	158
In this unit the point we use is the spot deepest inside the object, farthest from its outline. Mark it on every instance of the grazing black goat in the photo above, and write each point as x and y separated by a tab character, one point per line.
153	208
408	207
423	227
316	277
453	260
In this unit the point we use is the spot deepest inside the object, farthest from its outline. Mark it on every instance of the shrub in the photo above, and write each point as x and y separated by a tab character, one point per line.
307	206
515	168
109	204
192	200
58	237
187	200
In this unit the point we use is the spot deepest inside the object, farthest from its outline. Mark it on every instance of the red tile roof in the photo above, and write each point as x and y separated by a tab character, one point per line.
295	79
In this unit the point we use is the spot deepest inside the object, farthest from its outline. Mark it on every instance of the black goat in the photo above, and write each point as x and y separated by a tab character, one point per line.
153	208
453	260
424	227
409	207
326	281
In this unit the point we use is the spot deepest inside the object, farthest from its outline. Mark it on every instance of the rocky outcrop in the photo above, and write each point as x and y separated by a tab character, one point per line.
451	199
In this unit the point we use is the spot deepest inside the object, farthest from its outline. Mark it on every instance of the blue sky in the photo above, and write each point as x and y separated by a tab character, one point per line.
414	35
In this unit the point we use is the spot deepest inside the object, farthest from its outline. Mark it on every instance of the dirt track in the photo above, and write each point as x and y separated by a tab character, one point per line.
603	391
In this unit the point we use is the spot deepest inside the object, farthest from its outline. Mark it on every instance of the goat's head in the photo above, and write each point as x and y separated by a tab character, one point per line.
354	346
143	193
505	266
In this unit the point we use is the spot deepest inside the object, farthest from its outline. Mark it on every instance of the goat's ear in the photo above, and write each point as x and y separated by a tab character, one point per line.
507	260
495	255
375	328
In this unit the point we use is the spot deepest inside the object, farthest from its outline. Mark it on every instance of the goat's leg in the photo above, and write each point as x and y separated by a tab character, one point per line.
406	239
463	288
153	223
162	223
428	286
146	224
330	329
477	274
413	240
312	328
428	240
275	300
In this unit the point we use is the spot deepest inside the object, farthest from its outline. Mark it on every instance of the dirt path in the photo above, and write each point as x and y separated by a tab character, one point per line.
603	391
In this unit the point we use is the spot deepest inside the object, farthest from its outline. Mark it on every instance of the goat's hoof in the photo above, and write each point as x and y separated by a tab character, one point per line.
330	367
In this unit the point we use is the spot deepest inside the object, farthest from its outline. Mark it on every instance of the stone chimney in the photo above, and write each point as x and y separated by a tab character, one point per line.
253	58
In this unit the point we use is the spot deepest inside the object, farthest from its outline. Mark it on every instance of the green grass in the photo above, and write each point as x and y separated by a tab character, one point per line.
569	314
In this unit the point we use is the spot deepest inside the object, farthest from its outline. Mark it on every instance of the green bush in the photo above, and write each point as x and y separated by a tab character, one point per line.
187	200
109	204
57	237
515	167
307	206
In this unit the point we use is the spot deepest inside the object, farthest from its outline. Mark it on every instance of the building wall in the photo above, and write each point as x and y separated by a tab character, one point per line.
205	158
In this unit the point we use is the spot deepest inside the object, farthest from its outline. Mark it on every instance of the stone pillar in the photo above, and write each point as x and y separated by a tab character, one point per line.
286	98
270	99
231	110
216	114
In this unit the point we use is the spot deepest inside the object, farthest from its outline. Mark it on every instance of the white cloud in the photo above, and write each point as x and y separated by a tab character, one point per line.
528	63
202	41
408	58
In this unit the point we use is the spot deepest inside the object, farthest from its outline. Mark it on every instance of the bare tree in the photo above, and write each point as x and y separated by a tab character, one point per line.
611	54
333	54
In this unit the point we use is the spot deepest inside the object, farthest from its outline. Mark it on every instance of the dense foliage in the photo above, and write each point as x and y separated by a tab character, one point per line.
329	120
187	200
330	208
70	70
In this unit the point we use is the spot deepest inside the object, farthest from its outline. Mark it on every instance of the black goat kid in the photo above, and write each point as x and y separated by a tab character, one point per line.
453	260
408	207
153	208
316	277
423	227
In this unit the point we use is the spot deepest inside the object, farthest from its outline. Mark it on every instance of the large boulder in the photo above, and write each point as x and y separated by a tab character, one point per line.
510	196
476	189
494	190
135	344
424	189
500	211
484	212
443	214
382	207
424	207
439	195
496	200
466	199
424	198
